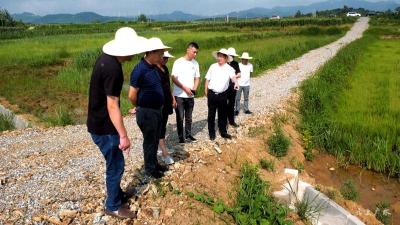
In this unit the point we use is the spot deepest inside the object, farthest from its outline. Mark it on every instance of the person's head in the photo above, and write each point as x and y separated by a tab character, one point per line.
166	58
192	50
155	51
222	58
232	53
125	44
245	58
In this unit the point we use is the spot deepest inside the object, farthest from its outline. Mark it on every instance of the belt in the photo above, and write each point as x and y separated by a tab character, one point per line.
217	93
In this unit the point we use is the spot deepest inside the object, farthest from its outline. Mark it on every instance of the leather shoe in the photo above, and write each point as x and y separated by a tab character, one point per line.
227	136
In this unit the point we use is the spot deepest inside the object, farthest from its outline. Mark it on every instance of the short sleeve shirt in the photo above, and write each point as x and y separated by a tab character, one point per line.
185	71
219	77
146	78
244	79
235	66
106	80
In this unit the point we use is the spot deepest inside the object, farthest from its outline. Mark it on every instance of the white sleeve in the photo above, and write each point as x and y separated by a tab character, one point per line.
175	68
251	68
231	72
197	71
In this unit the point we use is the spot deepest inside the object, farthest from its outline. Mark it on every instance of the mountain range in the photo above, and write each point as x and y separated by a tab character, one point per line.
88	17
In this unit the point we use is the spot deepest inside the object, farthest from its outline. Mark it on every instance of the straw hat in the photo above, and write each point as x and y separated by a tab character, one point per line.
125	43
245	55
222	51
167	55
153	44
232	52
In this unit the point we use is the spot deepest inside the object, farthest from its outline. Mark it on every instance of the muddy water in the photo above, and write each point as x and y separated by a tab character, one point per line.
373	187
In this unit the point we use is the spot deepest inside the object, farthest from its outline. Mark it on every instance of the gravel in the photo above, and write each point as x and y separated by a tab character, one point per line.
44	171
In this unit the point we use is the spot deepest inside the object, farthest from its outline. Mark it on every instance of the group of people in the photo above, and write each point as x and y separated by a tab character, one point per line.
153	99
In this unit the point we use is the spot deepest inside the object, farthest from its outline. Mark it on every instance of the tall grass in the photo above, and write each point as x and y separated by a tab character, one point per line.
351	107
6	122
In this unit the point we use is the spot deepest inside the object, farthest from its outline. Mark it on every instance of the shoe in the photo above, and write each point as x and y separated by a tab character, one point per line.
191	138
212	138
227	136
157	174
234	124
248	112
181	141
236	113
168	160
122	213
161	168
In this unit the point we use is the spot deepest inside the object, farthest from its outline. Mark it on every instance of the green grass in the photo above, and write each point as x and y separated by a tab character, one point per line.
44	74
278	143
351	107
6	123
349	191
268	165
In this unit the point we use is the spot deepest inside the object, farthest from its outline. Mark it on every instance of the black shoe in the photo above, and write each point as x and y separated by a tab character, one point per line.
227	136
161	168
236	113
155	174
212	138
248	112
191	138
234	124
181	141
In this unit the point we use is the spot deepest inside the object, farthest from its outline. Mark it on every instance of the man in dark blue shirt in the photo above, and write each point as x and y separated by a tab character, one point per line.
147	95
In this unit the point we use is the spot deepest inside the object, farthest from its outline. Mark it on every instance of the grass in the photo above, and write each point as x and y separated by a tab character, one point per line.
6	123
382	213
55	74
349	191
268	165
352	106
278	143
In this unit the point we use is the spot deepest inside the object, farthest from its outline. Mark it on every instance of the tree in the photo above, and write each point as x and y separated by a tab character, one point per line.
398	9
6	19
298	14
142	18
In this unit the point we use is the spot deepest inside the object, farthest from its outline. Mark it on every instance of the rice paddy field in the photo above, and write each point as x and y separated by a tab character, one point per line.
351	107
46	72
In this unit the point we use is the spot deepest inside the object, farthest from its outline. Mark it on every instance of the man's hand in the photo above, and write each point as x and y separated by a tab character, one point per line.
174	104
188	91
236	87
124	144
132	111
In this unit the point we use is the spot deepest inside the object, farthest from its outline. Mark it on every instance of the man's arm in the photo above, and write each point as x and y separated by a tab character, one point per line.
116	118
234	80
196	83
132	95
206	88
179	84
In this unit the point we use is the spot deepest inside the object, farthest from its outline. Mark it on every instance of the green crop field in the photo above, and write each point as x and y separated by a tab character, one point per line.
48	75
352	106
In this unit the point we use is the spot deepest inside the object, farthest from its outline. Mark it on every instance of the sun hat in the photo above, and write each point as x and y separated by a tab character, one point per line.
232	52
153	44
245	55
125	43
222	51
167	55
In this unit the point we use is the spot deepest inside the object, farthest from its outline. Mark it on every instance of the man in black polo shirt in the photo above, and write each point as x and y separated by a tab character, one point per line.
147	95
105	122
231	90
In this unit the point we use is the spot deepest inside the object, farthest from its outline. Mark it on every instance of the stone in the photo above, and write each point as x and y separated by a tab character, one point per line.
156	212
332	169
217	149
55	220
68	213
169	212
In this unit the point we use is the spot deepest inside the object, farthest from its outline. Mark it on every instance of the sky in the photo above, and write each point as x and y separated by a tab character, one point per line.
148	7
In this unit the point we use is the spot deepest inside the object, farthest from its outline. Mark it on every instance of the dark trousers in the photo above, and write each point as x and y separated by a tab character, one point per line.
108	145
184	110
149	122
230	112
217	102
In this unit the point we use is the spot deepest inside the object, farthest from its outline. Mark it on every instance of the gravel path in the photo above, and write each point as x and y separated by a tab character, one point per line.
43	171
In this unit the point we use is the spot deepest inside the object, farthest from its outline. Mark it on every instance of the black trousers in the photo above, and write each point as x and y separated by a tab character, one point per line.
217	102
150	122
231	104
184	110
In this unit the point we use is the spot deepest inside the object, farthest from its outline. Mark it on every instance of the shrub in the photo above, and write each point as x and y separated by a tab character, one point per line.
382	213
349	190
278	143
267	164
6	122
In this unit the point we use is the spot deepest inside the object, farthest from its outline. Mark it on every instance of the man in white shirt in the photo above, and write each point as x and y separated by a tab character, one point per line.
216	89
186	77
246	69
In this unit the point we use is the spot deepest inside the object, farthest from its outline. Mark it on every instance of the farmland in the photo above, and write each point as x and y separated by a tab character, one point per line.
351	108
46	73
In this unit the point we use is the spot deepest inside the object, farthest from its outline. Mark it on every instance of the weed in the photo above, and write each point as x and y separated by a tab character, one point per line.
267	164
331	193
256	131
297	164
382	213
62	117
349	190
278	143
6	122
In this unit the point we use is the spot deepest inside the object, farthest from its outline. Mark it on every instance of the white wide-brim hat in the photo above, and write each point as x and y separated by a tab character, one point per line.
245	55
125	43
222	51
167	55
232	51
154	44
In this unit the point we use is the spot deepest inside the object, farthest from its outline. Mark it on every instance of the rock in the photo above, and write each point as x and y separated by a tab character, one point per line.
98	218
217	149
54	220
37	218
373	189
169	212
156	212
332	169
68	213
